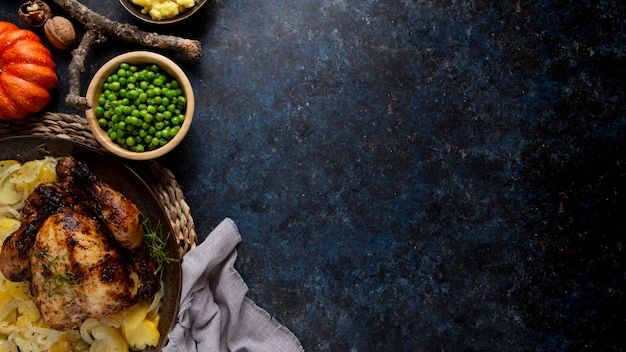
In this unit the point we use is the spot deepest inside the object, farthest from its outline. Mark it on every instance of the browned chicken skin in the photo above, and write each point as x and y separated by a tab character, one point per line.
47	199
79	243
80	273
117	212
120	216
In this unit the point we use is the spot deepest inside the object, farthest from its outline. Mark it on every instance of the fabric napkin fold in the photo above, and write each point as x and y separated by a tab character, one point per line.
215	314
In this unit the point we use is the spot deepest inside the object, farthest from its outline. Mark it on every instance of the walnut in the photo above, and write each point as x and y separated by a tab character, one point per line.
60	32
34	13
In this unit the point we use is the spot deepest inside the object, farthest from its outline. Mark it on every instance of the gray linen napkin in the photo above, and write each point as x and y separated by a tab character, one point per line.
215	314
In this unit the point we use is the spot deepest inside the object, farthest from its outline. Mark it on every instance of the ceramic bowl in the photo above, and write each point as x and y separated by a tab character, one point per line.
136	10
129	182
139	58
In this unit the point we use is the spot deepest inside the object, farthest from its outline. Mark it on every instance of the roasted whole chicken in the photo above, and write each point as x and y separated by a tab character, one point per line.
80	245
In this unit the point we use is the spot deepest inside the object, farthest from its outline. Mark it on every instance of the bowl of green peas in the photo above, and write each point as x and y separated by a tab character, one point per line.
142	105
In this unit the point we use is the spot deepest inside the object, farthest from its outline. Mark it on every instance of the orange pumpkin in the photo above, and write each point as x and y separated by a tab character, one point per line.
27	72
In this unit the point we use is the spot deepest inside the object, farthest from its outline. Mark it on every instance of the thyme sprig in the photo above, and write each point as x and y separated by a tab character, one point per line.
58	283
155	242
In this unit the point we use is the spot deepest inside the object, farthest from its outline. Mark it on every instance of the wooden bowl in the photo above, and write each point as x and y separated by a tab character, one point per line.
135	10
139	58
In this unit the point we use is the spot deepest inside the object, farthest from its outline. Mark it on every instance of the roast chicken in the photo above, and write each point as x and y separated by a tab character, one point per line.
80	245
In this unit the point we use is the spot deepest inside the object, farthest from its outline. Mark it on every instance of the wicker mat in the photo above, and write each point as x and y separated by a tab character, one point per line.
159	178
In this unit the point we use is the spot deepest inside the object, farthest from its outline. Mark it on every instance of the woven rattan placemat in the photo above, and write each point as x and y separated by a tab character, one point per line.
159	178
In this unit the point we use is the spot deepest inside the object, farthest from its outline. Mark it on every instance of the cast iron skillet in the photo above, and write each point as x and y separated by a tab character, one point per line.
124	179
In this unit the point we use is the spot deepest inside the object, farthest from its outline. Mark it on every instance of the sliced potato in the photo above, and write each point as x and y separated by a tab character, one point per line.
8	165
108	339
7	227
143	335
9	194
136	314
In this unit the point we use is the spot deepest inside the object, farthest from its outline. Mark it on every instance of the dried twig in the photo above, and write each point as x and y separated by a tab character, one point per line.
97	28
77	66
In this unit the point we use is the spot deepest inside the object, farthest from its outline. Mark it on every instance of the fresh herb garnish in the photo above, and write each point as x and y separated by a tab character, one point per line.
155	242
58	282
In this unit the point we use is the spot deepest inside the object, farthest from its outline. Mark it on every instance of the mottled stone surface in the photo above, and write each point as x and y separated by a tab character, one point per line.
413	175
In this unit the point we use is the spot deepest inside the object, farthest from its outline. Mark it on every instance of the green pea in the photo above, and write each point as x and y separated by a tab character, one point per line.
140	107
170	94
132	94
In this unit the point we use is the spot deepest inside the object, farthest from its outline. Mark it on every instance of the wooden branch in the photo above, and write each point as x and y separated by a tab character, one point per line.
98	27
128	32
77	67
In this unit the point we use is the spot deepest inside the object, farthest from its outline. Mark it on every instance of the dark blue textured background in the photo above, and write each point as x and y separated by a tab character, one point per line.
412	175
